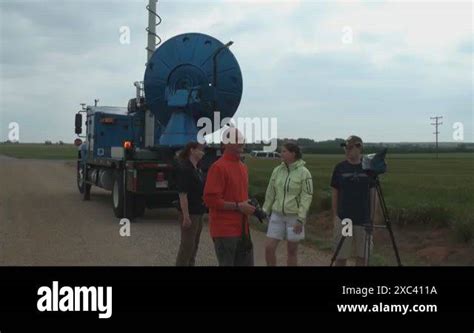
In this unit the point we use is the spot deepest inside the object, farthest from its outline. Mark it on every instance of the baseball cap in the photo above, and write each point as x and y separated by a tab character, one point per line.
352	140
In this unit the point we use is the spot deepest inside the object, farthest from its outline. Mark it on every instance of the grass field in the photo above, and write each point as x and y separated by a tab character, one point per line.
38	150
423	194
412	181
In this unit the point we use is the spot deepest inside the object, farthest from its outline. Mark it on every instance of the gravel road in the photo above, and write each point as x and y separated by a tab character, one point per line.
43	221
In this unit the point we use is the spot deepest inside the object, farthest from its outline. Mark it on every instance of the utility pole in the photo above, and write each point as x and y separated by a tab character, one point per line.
436	132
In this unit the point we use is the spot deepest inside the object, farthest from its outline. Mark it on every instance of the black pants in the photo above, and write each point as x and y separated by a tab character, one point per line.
232	251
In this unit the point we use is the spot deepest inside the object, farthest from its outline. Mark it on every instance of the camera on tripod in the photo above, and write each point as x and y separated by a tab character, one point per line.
259	213
374	164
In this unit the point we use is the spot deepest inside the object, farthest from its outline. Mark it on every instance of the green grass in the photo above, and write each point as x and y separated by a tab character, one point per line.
39	151
418	188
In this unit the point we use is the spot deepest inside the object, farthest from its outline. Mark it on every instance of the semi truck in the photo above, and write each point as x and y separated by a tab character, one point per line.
132	151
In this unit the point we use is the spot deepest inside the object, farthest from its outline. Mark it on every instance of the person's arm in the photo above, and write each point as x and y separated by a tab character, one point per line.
183	187
335	192
373	201
334	201
306	196
270	194
213	193
183	202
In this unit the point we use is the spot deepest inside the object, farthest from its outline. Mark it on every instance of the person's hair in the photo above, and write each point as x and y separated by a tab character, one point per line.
186	151
293	148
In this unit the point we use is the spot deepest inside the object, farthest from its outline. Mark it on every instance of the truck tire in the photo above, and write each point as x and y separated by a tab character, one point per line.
84	188
80	178
86	195
121	198
139	206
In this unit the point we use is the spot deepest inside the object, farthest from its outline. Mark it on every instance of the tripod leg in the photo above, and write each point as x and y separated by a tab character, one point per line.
395	249
367	246
369	229
387	221
338	249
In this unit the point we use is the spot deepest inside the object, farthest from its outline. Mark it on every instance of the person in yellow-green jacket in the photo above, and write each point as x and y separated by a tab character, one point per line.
288	198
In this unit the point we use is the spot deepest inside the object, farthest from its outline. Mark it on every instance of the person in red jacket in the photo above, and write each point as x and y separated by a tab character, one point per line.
226	195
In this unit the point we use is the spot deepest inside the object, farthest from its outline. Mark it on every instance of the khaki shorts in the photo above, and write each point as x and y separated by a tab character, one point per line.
352	246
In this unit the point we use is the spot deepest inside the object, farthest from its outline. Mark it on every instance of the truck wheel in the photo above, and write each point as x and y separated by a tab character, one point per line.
80	177
121	199
84	188
86	195
139	206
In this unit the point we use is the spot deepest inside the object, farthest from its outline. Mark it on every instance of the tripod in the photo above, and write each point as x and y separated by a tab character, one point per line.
369	230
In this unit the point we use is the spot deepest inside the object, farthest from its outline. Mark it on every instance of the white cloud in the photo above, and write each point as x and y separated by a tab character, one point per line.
403	57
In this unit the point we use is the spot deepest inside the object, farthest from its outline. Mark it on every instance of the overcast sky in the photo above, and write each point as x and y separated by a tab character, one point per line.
407	61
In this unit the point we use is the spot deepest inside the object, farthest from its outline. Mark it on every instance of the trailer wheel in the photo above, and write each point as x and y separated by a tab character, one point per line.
139	206
86	195
121	198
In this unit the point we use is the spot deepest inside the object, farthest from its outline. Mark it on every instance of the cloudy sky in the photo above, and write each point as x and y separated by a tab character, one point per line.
325	69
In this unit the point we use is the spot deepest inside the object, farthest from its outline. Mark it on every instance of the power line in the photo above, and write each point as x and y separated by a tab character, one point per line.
436	132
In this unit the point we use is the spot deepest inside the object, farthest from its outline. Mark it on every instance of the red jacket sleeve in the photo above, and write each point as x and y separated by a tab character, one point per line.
214	188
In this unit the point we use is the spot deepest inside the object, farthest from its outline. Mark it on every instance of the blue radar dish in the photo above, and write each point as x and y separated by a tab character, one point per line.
183	69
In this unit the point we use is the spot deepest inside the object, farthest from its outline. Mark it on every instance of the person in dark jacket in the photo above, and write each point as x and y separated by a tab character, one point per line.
190	183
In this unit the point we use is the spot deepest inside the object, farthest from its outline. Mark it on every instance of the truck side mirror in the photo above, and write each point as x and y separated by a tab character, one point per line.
78	123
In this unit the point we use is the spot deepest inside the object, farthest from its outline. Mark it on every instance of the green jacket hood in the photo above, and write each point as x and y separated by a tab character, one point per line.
294	165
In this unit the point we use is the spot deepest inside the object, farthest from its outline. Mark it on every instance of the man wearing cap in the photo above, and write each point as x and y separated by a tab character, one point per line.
353	192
